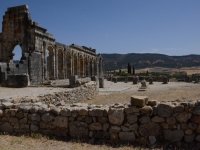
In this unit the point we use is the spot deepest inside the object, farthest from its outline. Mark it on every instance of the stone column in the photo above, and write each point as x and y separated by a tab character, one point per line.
56	63
78	67
88	68
72	64
92	70
64	65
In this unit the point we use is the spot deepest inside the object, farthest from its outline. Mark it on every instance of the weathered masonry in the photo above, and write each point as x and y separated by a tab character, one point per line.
42	57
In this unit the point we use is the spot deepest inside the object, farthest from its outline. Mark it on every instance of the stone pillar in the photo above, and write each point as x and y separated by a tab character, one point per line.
97	68
88	68
101	82
56	63
72	80
72	64
64	65
78	67
92	69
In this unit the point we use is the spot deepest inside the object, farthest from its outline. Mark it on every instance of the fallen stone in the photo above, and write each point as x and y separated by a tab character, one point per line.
139	100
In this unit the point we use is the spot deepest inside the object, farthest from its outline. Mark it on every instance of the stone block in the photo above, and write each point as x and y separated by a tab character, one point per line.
116	116
101	82
78	129
139	100
175	135
128	137
165	110
72	80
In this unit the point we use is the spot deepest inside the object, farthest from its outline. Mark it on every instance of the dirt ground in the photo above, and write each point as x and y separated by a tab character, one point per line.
38	142
121	92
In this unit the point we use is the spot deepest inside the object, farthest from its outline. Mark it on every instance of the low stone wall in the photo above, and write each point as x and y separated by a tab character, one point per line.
143	121
17	81
68	96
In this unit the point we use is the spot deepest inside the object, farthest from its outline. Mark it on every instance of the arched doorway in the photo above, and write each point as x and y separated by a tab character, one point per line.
16	54
69	66
49	63
60	64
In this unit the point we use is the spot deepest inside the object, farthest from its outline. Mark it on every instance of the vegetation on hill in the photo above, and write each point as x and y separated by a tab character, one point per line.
120	61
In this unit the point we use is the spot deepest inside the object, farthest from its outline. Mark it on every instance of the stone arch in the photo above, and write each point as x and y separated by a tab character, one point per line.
60	63
49	56
69	63
16	54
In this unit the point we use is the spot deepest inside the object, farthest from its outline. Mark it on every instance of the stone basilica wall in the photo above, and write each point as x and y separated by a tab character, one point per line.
141	121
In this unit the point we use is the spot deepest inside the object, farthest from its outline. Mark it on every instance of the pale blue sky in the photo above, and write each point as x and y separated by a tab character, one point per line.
169	27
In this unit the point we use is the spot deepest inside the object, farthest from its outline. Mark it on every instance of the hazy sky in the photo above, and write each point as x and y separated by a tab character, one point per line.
169	27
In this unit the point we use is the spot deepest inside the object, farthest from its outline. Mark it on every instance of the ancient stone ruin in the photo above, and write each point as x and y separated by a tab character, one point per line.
42	58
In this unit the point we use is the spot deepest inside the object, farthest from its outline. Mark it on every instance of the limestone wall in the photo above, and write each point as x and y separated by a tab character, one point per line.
141	121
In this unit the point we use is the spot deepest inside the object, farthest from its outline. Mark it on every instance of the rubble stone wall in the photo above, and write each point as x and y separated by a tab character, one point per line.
141	121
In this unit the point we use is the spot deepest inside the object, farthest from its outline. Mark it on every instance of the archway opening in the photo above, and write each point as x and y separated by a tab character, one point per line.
49	61
69	66
17	54
60	64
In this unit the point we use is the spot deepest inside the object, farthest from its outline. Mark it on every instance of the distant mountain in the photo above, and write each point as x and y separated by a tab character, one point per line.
120	61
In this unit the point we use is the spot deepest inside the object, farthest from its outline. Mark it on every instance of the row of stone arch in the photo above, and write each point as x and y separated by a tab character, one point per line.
62	63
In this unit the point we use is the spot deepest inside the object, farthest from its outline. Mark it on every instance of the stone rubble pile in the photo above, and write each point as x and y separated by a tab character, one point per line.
143	121
85	91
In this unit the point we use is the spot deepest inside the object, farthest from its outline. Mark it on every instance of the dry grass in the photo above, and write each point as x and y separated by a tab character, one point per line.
8	142
158	91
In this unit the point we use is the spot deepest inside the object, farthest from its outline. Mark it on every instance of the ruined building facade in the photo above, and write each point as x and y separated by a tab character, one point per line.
42	57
